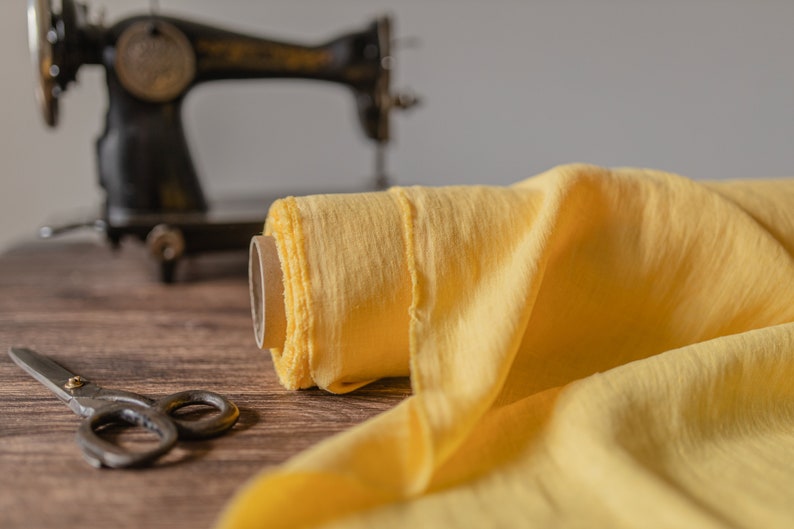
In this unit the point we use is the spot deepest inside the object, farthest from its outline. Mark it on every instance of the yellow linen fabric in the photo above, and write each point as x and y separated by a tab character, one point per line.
587	348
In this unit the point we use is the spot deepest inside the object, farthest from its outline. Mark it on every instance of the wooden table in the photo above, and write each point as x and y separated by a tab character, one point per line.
105	316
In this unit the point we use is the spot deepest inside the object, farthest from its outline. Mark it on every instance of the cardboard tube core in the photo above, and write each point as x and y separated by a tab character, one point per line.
266	285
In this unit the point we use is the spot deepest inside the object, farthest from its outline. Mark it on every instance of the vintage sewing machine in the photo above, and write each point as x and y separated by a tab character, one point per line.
152	191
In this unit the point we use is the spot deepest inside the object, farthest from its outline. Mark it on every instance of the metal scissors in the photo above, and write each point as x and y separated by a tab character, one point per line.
103	407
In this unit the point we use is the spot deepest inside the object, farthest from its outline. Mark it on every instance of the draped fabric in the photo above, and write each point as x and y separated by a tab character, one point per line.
587	348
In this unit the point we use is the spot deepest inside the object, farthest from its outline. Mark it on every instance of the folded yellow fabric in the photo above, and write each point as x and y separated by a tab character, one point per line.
587	348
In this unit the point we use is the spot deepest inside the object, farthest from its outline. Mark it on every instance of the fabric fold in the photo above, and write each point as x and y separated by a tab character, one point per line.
550	328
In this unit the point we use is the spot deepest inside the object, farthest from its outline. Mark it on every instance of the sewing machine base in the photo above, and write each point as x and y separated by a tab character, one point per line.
169	243
228	225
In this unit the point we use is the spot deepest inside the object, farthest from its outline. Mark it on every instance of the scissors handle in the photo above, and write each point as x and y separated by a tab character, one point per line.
98	451
202	428
158	420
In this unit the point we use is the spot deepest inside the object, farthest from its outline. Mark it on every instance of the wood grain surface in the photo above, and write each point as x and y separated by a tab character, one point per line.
104	315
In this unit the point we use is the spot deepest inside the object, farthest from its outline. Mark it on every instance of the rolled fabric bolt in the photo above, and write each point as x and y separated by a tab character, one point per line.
266	282
343	264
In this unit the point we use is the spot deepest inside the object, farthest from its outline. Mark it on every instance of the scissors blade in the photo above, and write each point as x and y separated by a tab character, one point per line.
45	370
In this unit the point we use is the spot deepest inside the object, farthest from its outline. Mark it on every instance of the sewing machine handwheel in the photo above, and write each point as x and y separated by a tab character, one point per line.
41	36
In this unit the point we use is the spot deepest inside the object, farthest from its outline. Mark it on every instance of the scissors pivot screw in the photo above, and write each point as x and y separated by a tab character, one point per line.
75	382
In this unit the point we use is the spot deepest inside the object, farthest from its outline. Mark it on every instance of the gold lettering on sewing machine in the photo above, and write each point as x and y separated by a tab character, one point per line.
263	55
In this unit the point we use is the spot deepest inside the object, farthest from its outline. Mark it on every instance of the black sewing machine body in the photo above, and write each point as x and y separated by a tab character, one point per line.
151	62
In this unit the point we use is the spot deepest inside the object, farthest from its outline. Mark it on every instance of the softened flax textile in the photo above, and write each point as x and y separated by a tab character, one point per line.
587	348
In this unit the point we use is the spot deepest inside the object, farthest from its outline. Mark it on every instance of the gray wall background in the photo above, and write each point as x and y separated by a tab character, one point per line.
704	88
